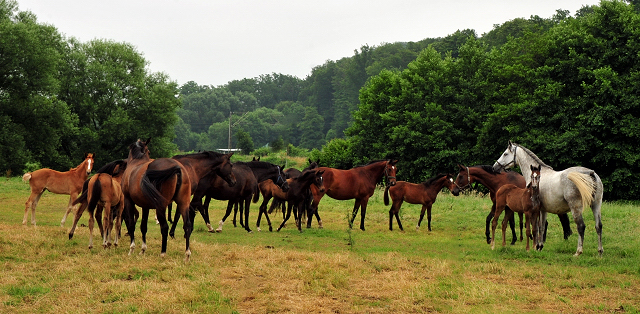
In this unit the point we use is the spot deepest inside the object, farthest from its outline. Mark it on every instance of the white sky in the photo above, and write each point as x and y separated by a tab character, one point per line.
213	42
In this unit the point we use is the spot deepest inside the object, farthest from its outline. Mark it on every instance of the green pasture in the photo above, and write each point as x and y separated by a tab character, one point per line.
331	270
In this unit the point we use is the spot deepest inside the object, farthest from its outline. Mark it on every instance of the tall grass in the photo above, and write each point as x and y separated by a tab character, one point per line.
336	269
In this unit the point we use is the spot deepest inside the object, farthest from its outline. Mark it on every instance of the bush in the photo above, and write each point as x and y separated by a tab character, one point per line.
261	152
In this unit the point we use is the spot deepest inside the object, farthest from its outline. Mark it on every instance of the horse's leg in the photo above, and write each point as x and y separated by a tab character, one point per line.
204	211
566	225
488	222
356	206
527	224
106	224
363	211
422	212
143	229
429	215
31	203
164	228
187	227
494	224
169	214
542	230
508	217
289	206
227	213
261	210
72	197
595	208
520	216
395	210
247	203
512	224
76	217
174	223
235	214
119	210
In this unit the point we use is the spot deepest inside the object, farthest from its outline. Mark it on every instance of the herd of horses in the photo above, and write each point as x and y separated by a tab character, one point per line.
111	196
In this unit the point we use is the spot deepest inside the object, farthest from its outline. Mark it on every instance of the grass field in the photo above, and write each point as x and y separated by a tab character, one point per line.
332	270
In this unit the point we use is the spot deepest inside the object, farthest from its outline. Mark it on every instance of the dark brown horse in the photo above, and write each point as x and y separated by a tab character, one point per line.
359	183
424	193
69	182
102	191
248	175
525	201
151	183
492	180
295	197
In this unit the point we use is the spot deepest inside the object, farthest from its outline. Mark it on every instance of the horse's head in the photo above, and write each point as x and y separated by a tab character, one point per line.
89	159
312	164
390	172
463	180
319	181
139	150
535	177
281	180
225	170
508	158
449	182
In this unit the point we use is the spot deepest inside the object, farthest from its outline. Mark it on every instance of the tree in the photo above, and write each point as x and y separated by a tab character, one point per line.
245	143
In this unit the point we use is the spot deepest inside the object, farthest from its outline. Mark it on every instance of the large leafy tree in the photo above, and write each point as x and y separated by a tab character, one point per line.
34	123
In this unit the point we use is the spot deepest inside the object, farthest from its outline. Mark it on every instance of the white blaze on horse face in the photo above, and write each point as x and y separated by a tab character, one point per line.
88	165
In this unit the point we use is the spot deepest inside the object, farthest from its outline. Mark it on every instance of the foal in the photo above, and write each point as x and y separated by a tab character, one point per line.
519	200
424	193
69	182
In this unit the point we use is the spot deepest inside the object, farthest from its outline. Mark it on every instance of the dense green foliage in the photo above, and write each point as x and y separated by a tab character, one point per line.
61	98
569	93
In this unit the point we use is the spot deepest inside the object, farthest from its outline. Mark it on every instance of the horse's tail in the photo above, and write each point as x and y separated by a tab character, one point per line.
386	195
26	177
95	195
153	179
585	185
256	194
275	204
83	196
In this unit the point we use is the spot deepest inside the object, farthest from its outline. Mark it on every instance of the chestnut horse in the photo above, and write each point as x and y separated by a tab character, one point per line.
358	182
424	193
493	180
69	182
151	183
525	201
295	197
104	192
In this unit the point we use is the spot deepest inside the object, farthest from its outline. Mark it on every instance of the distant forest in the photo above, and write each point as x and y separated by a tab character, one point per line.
310	112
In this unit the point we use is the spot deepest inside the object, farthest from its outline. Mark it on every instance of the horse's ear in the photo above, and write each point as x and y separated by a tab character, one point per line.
320	172
230	154
147	141
462	167
510	143
282	167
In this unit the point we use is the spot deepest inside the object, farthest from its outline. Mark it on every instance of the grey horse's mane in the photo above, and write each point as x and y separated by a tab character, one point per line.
533	156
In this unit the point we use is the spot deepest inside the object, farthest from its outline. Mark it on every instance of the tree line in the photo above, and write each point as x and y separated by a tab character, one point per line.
562	86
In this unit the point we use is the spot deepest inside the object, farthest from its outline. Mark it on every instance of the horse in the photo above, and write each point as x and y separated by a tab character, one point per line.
103	191
572	189
493	180
524	201
201	166
295	197
424	193
151	183
69	182
357	183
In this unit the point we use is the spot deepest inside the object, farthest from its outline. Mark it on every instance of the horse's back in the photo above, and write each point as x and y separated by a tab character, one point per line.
345	184
410	192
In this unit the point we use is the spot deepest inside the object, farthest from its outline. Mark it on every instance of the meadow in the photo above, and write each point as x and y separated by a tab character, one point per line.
331	270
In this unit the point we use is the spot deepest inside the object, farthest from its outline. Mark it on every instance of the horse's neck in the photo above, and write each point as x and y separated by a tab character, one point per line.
483	177
525	162
264	173
375	170
81	170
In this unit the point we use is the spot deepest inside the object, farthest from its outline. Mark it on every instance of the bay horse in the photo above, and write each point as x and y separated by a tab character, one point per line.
202	166
424	193
524	201
493	180
154	183
357	183
572	189
102	191
69	182
295	196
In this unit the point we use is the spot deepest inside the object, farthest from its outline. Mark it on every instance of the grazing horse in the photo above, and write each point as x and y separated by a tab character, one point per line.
295	197
151	183
357	183
103	191
572	189
493	180
524	201
424	193
69	182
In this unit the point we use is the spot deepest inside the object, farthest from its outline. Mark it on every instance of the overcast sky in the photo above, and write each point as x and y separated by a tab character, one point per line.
213	42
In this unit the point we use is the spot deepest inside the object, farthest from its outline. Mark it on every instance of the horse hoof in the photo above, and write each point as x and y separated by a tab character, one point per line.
218	230
90	247
163	254
70	236
259	230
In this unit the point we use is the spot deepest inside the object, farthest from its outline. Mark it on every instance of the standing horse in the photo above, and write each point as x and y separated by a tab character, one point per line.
572	189
103	191
69	182
278	202
493	180
524	201
359	183
424	193
295	197
151	183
